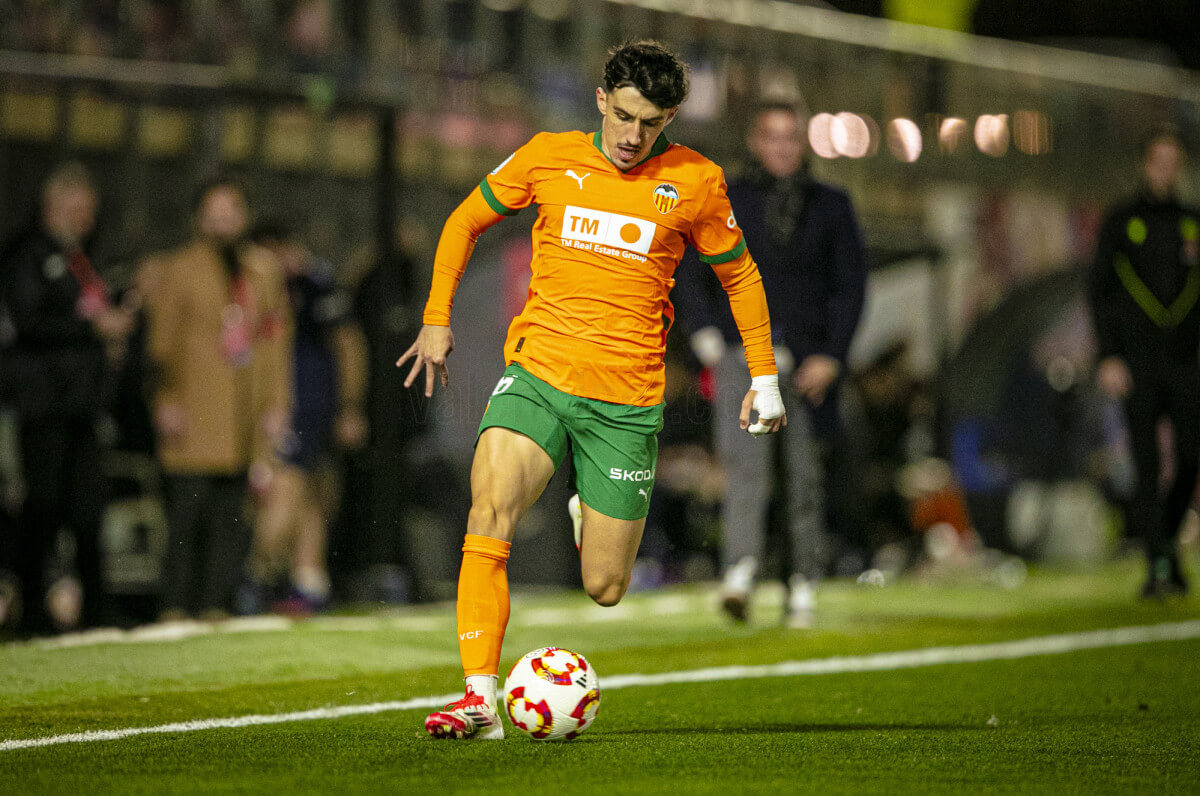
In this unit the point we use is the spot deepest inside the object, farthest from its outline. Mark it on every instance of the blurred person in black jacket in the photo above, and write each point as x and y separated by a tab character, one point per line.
54	376
1145	282
808	246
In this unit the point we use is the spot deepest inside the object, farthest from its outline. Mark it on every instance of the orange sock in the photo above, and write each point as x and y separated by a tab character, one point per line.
482	603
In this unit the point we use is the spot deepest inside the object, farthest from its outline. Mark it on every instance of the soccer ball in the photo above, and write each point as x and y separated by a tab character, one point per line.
552	693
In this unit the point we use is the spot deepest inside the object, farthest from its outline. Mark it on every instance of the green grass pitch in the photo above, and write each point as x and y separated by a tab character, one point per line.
1114	719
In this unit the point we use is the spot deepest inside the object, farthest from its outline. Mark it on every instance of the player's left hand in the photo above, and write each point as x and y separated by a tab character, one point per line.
429	351
763	398
814	377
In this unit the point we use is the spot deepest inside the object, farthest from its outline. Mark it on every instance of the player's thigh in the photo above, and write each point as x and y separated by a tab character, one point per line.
616	457
522	440
607	551
508	474
615	453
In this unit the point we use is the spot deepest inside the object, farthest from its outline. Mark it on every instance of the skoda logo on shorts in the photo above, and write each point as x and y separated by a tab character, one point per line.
618	474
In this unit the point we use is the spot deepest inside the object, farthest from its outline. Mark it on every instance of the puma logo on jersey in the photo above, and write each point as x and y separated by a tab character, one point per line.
645	495
607	233
571	173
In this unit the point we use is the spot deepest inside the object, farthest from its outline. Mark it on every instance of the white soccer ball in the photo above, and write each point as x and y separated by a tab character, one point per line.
552	693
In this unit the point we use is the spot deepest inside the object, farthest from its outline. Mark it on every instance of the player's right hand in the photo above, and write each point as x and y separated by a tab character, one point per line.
432	346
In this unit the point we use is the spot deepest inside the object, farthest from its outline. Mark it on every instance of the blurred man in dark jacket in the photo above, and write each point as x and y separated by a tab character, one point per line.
1144	287
809	249
54	368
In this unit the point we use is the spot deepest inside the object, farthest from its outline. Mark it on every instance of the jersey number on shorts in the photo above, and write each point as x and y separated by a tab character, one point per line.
504	384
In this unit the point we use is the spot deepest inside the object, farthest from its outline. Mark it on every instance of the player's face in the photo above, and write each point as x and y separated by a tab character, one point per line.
223	214
631	125
777	140
1162	167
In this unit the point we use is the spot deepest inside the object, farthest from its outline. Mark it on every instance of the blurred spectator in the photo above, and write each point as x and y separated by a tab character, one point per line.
54	373
382	484
1144	288
220	339
315	41
804	236
888	407
679	541
329	385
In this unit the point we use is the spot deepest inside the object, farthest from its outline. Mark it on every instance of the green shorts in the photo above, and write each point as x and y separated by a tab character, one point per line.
615	447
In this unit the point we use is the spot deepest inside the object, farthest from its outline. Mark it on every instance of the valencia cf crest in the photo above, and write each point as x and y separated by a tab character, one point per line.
666	197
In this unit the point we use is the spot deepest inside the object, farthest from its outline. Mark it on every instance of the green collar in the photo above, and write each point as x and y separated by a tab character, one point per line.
660	146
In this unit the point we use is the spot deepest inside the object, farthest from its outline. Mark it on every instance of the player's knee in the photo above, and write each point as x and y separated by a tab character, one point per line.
605	589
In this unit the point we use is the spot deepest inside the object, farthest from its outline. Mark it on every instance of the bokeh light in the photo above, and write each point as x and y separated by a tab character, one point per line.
1031	132
820	135
950	133
991	134
904	140
851	135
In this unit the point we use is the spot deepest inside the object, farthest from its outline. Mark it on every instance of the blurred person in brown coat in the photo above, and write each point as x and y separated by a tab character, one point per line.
220	341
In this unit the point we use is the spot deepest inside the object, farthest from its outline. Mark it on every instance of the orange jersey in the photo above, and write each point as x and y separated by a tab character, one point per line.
605	246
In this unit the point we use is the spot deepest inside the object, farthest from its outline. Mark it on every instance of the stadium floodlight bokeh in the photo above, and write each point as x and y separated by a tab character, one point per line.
904	140
822	129
1031	130
950	132
844	134
991	134
856	136
854	139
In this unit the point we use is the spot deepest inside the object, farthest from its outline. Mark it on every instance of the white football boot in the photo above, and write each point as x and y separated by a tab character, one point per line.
736	588
470	717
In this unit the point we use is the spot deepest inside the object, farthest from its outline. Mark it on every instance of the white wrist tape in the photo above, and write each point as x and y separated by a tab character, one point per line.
767	402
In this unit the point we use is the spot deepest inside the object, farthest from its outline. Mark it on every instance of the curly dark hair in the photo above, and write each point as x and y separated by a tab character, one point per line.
651	68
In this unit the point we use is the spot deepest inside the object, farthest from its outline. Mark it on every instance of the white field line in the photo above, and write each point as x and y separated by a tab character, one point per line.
875	662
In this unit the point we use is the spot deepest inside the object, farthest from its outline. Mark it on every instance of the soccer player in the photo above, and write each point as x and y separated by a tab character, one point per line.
616	209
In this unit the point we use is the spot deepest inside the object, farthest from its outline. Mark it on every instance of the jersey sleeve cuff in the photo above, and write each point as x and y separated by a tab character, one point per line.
732	254
490	197
435	318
